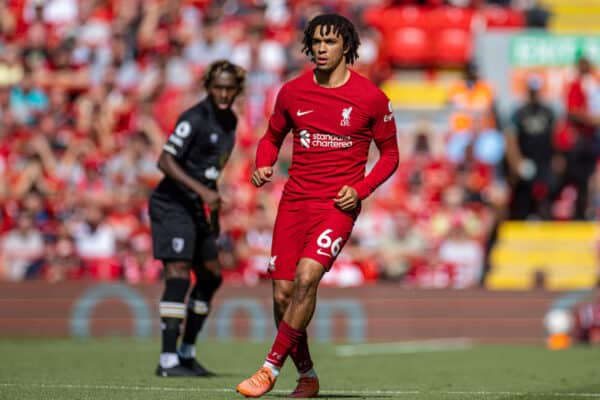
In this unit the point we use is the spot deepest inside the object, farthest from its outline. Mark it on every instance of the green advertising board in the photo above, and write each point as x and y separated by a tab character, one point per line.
542	49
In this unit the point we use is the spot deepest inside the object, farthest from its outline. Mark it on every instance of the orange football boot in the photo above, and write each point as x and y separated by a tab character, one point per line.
258	384
307	387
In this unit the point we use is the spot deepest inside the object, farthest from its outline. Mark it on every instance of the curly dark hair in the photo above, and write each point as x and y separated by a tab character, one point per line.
224	66
340	25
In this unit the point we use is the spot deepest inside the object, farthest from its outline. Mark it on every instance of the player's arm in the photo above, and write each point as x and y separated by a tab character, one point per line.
514	156
384	135
268	147
175	150
171	168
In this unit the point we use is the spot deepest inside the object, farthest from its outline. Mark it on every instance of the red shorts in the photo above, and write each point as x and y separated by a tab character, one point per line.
318	234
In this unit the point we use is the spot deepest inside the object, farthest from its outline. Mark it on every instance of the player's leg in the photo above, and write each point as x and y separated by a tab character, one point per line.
303	303
324	242
172	313
208	280
285	256
290	331
326	233
282	267
282	295
173	241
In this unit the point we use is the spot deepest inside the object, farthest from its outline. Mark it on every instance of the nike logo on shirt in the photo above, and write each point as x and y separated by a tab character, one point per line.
301	113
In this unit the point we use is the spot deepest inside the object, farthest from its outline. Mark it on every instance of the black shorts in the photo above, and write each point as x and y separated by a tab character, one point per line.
180	233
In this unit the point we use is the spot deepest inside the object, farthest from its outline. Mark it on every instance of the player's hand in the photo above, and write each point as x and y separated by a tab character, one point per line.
347	198
211	198
261	175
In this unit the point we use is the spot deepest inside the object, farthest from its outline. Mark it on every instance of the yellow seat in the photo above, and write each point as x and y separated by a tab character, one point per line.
564	252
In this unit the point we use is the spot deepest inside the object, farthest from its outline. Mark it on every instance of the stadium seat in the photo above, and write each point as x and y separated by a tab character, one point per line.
452	47
501	17
375	16
409	47
441	18
389	19
564	252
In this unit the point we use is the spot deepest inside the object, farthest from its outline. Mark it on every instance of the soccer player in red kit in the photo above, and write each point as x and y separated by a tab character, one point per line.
334	114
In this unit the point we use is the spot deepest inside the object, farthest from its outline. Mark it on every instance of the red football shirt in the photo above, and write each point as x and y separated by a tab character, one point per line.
333	129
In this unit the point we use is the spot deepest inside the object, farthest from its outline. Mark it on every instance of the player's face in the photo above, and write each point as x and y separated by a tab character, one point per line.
223	90
327	48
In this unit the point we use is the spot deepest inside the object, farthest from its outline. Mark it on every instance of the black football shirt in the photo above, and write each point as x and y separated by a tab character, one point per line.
202	143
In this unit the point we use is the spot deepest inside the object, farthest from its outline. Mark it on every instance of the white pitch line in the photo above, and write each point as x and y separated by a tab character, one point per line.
409	347
323	394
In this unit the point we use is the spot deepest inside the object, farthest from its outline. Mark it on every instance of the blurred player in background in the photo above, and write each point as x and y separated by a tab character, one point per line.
531	155
183	235
334	114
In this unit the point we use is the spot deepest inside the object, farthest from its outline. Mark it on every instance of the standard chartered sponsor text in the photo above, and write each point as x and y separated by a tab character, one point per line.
330	141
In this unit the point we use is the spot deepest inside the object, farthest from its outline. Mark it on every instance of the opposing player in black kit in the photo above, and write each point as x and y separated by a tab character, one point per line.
183	235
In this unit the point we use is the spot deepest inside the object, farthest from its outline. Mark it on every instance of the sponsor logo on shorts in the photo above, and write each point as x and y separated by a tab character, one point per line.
178	244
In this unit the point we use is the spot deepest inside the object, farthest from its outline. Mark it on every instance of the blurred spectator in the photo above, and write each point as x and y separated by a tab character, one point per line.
531	157
464	253
254	247
22	249
403	249
469	98
431	273
135	163
27	99
455	207
486	144
370	231
96	243
209	46
138	265
11	68
344	273
62	261
587	322
536	15
583	147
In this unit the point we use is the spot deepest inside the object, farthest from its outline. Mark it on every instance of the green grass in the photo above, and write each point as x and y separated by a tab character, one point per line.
118	368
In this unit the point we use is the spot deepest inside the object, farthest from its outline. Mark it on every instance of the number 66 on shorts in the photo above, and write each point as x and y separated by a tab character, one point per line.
318	234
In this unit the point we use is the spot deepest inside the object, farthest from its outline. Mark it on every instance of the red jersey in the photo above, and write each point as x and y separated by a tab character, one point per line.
333	129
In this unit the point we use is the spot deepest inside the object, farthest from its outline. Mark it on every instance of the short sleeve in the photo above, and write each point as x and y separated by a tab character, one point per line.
182	137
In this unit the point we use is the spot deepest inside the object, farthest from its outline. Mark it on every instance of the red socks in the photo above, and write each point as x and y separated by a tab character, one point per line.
286	340
301	355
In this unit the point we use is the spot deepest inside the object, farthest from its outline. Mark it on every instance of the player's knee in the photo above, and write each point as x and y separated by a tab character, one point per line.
305	286
207	284
215	281
177	269
213	278
281	299
213	266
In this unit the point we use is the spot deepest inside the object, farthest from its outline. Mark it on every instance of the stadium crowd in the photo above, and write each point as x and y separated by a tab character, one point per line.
90	89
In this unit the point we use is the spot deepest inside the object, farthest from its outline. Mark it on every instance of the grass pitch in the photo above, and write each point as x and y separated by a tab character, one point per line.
123	369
